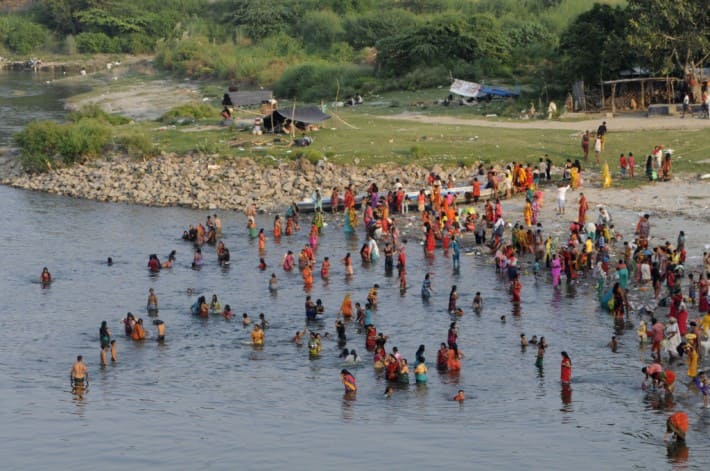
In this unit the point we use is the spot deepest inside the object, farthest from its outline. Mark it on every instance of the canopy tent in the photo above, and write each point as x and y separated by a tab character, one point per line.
464	88
247	98
301	117
477	90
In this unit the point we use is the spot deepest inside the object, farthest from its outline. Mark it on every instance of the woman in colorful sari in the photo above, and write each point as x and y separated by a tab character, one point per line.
566	368
677	424
574	178
392	368
528	213
348	381
555	270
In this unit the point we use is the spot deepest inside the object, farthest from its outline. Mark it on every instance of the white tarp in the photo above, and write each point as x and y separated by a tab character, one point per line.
464	88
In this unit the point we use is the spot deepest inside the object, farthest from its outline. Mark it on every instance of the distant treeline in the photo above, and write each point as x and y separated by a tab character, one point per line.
313	49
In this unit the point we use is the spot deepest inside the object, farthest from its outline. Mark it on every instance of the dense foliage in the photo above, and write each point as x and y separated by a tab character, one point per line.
46	144
88	133
294	44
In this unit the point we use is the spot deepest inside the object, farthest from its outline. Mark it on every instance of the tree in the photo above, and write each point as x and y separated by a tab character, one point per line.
61	15
366	29
593	45
447	40
320	29
671	35
259	19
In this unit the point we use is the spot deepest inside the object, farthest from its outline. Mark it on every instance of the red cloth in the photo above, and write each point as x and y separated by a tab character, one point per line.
566	370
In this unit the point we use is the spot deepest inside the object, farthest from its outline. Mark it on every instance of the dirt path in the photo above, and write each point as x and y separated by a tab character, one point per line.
617	123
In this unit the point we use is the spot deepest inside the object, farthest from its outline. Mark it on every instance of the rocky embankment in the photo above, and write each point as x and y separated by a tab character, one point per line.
207	182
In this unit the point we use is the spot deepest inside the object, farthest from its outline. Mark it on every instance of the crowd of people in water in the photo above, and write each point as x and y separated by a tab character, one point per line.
622	266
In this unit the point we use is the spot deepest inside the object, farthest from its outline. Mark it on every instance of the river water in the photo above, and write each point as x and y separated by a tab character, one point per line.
205	399
27	95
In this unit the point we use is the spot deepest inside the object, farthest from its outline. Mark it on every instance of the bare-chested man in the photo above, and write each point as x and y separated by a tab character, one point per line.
250	210
79	376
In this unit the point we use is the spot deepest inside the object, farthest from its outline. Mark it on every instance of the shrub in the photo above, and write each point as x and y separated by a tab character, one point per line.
91	43
193	111
320	29
417	152
39	137
23	36
82	140
41	142
94	112
35	163
423	77
137	43
70	47
312	155
313	82
137	145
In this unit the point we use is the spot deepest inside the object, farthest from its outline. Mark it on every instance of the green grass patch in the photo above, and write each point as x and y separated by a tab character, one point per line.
95	113
189	112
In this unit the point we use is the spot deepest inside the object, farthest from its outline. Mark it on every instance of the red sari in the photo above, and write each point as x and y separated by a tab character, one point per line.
453	363
566	370
430	241
348	199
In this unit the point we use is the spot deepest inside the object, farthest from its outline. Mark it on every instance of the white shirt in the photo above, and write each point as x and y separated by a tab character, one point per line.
562	192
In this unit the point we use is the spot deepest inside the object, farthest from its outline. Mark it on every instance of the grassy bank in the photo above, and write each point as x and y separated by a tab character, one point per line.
369	134
369	139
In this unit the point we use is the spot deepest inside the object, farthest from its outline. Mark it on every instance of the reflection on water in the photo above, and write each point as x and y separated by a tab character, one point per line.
206	389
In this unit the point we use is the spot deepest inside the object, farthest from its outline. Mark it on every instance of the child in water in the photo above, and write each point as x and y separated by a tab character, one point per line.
298	338
477	302
460	396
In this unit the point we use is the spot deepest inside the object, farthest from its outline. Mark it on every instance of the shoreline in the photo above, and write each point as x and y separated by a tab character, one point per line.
206	182
211	182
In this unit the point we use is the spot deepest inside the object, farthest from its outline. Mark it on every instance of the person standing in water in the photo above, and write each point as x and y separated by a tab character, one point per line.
515	288
420	372
45	277
426	287
677	424
152	304
565	368
453	296
161	329
455	253
257	336
477	302
348	381
114	351
79	375
347	261
540	355
105	337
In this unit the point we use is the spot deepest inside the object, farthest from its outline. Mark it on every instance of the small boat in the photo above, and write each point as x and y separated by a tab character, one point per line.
463	194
